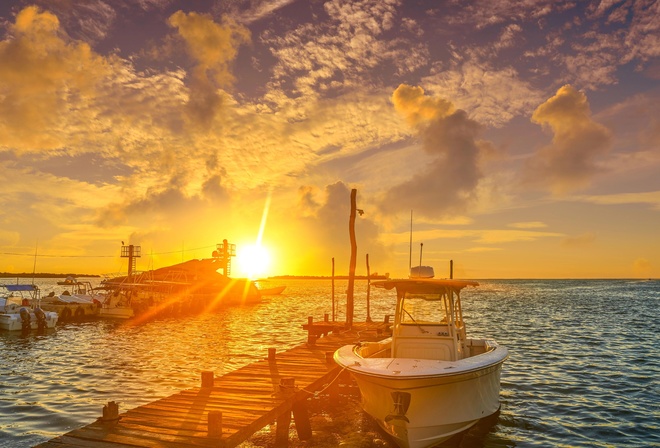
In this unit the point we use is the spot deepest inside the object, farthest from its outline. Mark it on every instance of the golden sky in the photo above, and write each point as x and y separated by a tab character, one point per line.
524	137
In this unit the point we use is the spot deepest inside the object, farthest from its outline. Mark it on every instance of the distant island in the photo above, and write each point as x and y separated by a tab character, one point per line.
43	275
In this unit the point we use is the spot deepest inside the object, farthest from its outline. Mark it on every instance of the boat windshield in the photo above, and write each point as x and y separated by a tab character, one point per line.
424	308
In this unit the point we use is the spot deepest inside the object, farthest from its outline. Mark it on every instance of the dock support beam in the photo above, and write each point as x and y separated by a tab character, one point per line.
215	424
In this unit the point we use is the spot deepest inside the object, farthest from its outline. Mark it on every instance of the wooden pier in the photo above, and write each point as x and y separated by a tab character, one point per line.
226	411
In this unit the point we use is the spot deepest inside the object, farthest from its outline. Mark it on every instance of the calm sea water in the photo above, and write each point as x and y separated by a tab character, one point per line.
583	371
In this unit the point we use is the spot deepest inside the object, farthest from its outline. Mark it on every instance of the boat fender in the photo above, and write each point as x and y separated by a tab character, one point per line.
66	313
79	312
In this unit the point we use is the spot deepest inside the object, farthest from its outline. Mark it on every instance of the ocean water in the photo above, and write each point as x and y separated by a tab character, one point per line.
583	371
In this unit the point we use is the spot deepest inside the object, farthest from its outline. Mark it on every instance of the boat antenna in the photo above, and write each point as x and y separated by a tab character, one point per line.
410	247
34	267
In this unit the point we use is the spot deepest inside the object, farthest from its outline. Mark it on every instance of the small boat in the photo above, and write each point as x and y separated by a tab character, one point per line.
272	291
68	281
428	381
20	313
78	302
117	304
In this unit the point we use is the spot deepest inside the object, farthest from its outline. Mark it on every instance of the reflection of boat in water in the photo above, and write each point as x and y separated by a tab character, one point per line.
18	312
77	302
428	381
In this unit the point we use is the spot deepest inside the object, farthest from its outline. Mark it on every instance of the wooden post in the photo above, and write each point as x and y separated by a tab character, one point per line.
215	423
207	378
301	419
110	412
311	337
368	291
282	429
451	268
271	354
351	267
333	290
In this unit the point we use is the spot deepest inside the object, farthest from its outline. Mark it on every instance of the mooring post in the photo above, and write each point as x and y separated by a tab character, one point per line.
110	412
271	354
311	337
215	424
301	419
207	378
287	388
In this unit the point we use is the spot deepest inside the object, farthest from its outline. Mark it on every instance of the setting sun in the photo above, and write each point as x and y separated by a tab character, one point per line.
253	261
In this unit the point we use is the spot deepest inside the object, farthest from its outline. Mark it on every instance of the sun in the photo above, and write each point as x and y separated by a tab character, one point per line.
253	261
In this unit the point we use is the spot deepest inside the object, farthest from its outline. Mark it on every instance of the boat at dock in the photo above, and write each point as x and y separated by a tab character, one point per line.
20	312
428	381
79	301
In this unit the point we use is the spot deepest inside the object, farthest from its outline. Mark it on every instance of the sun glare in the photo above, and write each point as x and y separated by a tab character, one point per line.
253	261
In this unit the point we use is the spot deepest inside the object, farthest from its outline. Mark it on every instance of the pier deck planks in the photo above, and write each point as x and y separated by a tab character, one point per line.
249	399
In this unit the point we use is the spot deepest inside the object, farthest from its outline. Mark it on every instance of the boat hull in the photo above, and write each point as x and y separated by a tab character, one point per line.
420	411
14	322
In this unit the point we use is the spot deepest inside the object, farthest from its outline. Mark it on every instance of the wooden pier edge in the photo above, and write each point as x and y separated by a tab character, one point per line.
227	410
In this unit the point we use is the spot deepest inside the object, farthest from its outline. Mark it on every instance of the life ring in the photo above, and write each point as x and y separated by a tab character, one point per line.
66	314
80	312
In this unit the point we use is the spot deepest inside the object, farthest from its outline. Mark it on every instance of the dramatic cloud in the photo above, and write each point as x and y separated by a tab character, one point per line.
448	183
578	146
213	47
43	76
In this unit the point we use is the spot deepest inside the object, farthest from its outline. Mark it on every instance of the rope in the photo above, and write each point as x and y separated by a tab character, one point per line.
316	394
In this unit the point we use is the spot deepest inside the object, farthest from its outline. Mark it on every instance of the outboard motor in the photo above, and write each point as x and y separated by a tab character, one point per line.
25	319
41	318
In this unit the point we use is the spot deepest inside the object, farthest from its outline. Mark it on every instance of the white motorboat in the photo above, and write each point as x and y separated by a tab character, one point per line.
20	313
78	301
428	381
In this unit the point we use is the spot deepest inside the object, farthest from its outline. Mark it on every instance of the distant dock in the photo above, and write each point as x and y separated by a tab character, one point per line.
227	410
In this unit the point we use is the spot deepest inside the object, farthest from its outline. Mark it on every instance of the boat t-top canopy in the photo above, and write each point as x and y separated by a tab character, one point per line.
423	285
15	288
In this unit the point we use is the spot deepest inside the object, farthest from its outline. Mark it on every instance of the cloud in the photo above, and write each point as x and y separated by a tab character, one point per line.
42	74
651	198
492	96
578	147
341	51
578	241
325	221
448	183
213	47
528	225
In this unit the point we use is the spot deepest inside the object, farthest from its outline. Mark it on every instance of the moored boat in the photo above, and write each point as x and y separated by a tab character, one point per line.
21	313
429	381
275	290
78	302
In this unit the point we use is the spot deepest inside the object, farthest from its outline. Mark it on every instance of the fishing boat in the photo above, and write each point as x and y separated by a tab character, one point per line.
23	313
428	381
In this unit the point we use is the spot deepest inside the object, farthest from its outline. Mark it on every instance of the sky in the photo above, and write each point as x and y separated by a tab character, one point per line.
520	139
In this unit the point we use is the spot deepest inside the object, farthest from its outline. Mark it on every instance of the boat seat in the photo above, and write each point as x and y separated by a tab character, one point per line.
424	348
